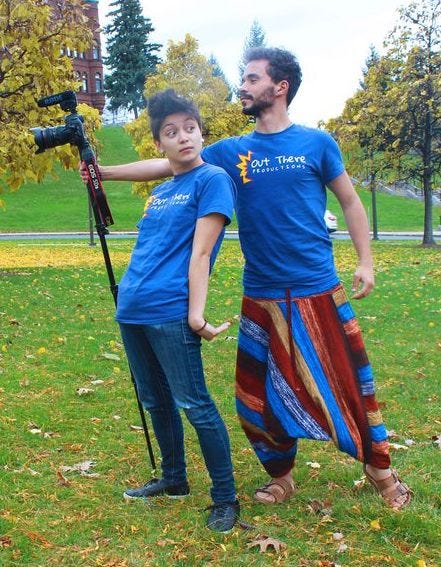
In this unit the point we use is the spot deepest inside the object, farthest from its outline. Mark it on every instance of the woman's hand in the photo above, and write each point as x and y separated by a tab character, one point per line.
209	332
82	168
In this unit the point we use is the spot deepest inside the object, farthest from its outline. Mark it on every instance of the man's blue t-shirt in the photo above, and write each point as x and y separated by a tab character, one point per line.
154	289
281	201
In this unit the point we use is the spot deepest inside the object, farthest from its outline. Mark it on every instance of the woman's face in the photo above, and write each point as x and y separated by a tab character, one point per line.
181	139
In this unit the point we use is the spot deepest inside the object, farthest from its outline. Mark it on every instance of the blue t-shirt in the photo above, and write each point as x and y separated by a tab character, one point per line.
154	289
281	201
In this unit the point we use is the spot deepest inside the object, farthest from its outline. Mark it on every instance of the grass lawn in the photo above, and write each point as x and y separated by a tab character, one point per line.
58	338
61	204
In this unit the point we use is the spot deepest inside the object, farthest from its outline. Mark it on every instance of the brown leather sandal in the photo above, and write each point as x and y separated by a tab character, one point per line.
394	492
279	489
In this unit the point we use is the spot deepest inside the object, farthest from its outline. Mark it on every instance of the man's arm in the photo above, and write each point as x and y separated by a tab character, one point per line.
358	227
144	170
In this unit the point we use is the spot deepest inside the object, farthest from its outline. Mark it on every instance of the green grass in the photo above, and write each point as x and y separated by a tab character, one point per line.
61	204
56	335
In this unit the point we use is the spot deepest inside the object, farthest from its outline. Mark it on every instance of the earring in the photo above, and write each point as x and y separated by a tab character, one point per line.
202	140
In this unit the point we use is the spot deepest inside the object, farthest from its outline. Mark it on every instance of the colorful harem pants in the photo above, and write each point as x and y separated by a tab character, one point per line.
303	372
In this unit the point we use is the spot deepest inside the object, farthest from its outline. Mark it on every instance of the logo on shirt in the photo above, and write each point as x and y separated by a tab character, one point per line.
148	202
243	166
154	202
250	167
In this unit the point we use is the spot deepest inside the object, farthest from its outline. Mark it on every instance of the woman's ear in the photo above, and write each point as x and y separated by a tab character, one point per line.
158	146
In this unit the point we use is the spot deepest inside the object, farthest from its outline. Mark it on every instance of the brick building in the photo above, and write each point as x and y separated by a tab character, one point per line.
89	65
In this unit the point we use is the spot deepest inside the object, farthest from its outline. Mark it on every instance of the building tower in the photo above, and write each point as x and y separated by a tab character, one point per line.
89	65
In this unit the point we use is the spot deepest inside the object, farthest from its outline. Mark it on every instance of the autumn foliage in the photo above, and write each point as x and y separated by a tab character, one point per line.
33	34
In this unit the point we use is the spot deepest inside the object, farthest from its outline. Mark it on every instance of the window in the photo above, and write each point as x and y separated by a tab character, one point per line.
98	83
95	52
84	87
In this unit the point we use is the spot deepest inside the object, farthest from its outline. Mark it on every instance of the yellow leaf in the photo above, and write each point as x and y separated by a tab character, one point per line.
375	525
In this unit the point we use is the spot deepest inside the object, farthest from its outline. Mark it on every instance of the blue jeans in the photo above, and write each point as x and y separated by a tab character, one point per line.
166	362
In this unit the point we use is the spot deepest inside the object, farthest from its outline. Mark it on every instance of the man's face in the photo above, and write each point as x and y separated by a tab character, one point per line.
257	91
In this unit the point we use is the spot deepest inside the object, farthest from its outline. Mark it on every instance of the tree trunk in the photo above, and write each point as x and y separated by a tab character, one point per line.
372	186
428	239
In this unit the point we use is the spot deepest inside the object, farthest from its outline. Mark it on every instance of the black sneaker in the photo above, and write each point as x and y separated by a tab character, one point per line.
223	516
157	487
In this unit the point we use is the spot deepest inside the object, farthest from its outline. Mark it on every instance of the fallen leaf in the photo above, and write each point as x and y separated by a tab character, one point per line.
337	536
313	465
62	480
5	541
111	356
79	467
38	538
265	542
375	525
35	431
84	391
397	446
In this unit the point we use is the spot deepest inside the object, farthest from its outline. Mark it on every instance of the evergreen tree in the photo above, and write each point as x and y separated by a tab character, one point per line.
256	38
217	72
371	61
130	57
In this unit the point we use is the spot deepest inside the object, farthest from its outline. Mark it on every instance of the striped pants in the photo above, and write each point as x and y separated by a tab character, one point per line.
302	372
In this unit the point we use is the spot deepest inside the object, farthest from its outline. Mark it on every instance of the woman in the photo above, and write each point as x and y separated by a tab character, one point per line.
161	302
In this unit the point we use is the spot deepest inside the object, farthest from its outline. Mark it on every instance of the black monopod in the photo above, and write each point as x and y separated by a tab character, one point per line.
73	133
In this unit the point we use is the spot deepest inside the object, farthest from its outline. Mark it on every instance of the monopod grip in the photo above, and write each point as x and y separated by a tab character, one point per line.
97	195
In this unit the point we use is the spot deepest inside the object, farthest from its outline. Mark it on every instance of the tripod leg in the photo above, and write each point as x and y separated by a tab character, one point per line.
103	217
114	290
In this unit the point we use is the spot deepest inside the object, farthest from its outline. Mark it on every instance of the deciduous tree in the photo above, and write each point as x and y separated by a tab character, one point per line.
395	118
190	74
415	97
33	34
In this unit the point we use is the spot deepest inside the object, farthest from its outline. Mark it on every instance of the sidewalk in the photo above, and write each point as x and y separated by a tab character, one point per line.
229	235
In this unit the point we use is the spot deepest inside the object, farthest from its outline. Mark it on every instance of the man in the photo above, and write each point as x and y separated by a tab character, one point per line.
302	370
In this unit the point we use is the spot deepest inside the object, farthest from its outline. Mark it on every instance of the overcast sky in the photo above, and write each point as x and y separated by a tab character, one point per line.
331	39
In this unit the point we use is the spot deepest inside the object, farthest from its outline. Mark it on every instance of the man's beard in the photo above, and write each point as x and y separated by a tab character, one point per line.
264	101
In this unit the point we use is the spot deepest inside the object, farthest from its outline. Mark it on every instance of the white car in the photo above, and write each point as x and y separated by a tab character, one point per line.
331	221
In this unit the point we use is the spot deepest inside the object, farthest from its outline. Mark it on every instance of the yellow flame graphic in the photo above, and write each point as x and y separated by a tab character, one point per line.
243	166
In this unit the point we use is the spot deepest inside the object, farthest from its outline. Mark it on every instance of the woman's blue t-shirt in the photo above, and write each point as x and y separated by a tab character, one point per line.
281	200
154	289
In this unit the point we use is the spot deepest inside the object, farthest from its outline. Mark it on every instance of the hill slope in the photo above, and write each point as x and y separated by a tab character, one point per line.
61	204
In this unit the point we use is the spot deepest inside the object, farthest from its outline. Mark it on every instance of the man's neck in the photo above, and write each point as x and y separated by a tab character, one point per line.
272	121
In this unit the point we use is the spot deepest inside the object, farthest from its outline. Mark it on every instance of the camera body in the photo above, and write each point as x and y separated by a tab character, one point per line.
71	133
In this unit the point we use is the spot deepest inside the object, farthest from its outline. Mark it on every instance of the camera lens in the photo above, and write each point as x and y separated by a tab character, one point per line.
46	138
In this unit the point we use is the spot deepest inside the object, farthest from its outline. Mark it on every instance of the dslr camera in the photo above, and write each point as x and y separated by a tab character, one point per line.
71	133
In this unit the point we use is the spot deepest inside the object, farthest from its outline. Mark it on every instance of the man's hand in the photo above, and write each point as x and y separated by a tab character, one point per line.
364	277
